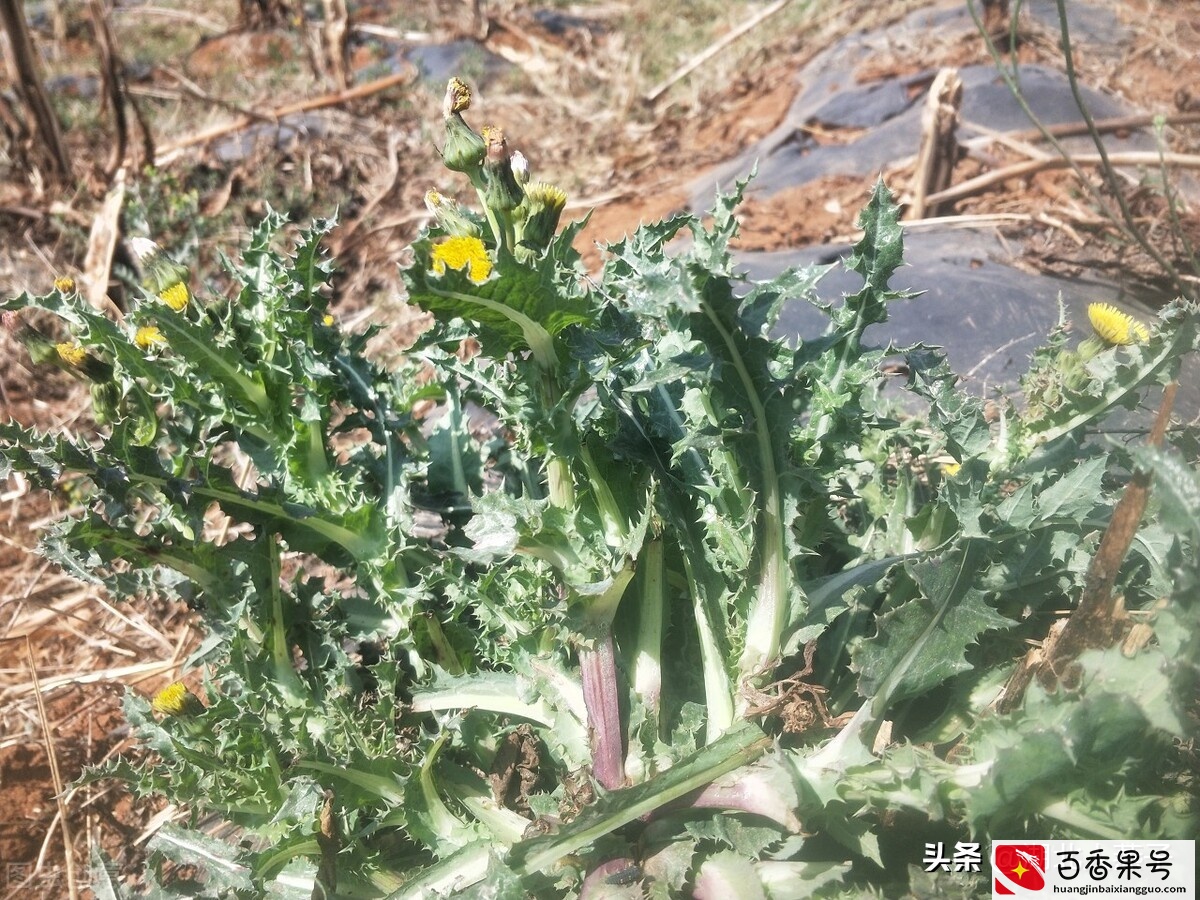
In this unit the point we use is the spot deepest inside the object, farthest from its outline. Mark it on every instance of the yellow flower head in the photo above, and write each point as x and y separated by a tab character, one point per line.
176	700
951	469
149	336
176	296
463	252
458	97
327	320
1114	326
71	353
64	284
546	195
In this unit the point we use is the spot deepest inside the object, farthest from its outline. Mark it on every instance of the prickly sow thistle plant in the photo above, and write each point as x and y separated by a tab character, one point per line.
656	603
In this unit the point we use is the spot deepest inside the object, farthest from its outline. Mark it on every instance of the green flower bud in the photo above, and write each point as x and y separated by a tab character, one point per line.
106	396
41	349
501	192
546	204
464	150
160	274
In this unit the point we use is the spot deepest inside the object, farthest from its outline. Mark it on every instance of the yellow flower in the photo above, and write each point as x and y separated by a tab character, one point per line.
463	253
327	320
149	336
71	353
1114	326
176	700
64	284
951	469
545	202
176	296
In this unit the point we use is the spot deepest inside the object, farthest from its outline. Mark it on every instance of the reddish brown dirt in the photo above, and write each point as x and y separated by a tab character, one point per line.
86	725
822	211
815	213
49	625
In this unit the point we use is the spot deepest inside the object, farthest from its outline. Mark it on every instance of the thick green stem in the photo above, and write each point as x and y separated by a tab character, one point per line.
498	231
718	693
647	653
315	458
558	467
764	623
738	747
281	654
562	486
615	530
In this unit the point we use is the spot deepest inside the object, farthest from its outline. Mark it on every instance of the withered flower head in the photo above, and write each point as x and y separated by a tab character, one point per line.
458	97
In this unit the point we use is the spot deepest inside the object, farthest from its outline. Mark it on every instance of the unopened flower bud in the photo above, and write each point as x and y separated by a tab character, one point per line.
161	275
545	202
464	150
501	191
106	396
41	349
64	284
520	167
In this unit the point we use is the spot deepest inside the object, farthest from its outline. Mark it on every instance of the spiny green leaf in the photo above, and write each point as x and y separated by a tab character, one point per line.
218	860
922	643
519	306
1177	486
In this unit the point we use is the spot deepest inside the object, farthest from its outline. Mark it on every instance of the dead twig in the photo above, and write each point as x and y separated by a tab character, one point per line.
182	15
190	88
27	82
334	34
939	149
1094	622
115	93
713	49
1104	126
102	242
982	182
55	776
170	152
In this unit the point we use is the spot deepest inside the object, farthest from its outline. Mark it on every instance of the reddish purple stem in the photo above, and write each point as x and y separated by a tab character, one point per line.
598	670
